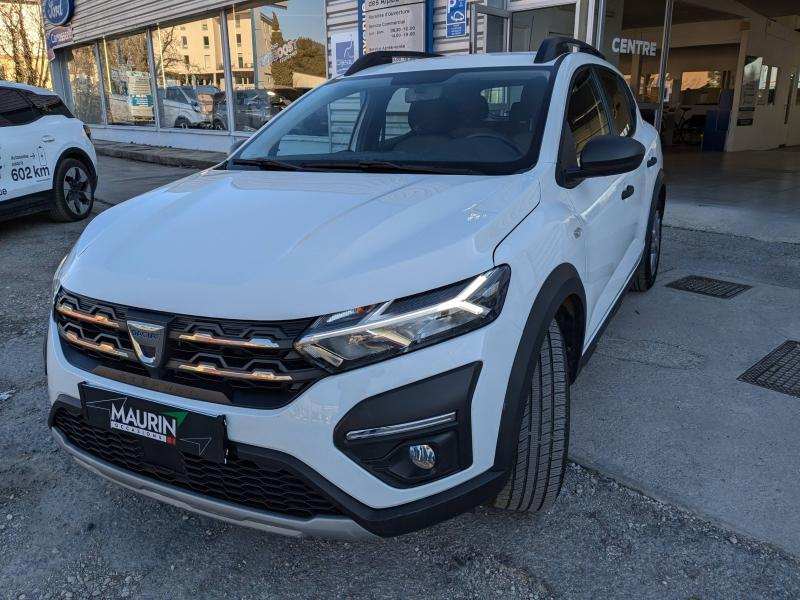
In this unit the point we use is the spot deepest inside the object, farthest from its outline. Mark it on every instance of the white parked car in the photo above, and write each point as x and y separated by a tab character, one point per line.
182	108
47	161
351	329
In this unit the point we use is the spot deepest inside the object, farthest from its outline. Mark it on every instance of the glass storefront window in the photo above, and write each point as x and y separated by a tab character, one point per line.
190	75
530	27
84	84
126	77
277	53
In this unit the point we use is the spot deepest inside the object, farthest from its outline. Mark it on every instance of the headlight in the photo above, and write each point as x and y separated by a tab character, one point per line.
59	271
368	334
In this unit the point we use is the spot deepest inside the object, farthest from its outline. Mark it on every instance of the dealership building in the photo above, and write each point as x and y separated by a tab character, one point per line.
724	74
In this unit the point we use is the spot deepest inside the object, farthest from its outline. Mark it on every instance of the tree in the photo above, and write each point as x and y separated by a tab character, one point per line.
310	58
282	72
22	42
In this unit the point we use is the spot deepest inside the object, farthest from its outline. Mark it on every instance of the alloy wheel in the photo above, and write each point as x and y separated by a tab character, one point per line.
77	190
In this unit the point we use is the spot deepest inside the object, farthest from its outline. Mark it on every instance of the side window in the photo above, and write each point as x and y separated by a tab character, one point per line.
327	130
586	115
619	102
14	109
49	105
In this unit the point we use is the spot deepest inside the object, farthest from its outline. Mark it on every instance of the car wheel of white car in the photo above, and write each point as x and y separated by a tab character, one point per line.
645	277
73	192
538	471
182	123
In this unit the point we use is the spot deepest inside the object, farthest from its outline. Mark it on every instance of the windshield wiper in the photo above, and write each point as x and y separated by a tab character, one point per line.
266	164
384	166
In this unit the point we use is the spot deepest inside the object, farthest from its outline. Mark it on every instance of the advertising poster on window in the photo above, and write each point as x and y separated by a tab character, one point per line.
749	93
344	51
394	25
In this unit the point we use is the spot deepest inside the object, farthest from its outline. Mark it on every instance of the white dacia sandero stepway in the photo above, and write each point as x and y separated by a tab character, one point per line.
367	319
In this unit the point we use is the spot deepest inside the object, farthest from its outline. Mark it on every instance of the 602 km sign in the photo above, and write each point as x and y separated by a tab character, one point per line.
24	173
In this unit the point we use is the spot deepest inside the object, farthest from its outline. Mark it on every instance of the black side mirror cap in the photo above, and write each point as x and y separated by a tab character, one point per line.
608	155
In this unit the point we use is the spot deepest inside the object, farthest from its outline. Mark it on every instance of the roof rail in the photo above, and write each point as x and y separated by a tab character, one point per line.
553	47
385	57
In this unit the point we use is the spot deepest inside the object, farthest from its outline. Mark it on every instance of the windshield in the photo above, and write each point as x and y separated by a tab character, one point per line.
483	121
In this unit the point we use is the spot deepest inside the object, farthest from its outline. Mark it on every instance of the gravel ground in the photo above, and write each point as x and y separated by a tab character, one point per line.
65	533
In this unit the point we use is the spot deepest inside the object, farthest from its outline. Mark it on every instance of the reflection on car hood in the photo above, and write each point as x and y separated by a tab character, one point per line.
282	245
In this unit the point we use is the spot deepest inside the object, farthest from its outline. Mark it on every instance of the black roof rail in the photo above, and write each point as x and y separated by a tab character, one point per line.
553	47
385	57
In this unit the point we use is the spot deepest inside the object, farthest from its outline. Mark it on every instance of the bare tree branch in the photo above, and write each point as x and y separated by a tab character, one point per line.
22	42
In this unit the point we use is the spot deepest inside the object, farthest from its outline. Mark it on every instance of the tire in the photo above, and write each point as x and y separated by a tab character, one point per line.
538	471
182	123
219	125
647	272
73	191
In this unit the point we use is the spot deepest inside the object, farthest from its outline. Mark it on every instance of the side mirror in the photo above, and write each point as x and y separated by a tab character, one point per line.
235	146
608	155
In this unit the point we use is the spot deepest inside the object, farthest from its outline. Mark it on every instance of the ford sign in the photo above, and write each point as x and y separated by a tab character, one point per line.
58	12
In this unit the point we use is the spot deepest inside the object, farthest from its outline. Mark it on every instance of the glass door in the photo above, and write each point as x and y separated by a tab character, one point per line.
490	29
530	27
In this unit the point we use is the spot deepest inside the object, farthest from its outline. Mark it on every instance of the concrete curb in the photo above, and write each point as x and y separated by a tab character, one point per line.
171	157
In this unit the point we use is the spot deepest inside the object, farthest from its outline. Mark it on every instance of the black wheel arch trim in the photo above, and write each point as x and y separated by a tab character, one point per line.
562	283
77	154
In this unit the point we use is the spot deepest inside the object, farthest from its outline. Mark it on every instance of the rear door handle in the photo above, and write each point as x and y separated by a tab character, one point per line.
48	138
628	192
651	161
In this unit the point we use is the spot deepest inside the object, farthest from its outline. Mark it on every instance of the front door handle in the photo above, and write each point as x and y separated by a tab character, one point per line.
651	161
48	138
628	192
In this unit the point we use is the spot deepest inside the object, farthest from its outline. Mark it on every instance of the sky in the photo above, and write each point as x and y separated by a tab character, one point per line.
300	18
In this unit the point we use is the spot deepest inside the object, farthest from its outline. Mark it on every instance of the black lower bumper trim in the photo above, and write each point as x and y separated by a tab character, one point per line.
385	522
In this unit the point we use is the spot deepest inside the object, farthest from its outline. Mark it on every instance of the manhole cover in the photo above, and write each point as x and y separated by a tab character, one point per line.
779	370
709	287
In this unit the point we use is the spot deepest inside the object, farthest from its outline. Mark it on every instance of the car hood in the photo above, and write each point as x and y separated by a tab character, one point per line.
282	245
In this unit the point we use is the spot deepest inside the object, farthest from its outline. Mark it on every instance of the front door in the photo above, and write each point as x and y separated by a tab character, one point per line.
607	207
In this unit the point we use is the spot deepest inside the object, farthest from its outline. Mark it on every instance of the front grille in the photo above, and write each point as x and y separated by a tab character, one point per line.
272	488
251	364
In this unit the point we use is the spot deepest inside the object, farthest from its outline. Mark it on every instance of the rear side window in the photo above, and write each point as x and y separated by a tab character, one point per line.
586	116
619	102
49	105
14	109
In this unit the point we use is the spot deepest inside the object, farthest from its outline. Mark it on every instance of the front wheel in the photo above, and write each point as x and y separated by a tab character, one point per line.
538	472
73	191
646	275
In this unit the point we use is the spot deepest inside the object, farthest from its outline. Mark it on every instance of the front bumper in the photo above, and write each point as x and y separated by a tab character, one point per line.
303	432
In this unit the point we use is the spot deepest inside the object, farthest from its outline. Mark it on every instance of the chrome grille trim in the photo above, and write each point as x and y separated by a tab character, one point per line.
246	363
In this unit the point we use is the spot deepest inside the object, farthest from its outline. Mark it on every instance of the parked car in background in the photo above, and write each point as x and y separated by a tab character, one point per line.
182	108
252	108
47	161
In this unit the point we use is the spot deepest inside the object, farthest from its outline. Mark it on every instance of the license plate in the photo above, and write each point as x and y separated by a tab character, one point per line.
165	429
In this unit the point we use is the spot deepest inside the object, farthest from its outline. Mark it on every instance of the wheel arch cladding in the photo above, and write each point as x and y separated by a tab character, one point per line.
562	296
80	155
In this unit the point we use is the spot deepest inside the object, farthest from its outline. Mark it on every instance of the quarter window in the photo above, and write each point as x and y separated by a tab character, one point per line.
619	103
586	116
14	109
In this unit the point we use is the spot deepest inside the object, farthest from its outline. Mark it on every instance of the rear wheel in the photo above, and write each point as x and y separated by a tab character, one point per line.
538	472
73	191
646	275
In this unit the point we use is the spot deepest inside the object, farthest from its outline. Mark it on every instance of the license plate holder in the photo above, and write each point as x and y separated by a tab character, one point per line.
165	430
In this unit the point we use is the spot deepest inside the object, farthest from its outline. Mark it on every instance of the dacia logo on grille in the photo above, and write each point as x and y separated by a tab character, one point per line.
148	342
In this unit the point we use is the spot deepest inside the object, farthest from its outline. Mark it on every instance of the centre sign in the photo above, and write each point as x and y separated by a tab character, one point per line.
626	46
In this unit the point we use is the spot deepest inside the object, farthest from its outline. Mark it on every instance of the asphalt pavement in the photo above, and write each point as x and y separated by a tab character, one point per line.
658	410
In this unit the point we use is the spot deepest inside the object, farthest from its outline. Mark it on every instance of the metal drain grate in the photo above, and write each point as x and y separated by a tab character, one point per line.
779	370
709	287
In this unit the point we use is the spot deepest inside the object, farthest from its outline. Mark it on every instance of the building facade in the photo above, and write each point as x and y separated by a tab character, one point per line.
205	73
